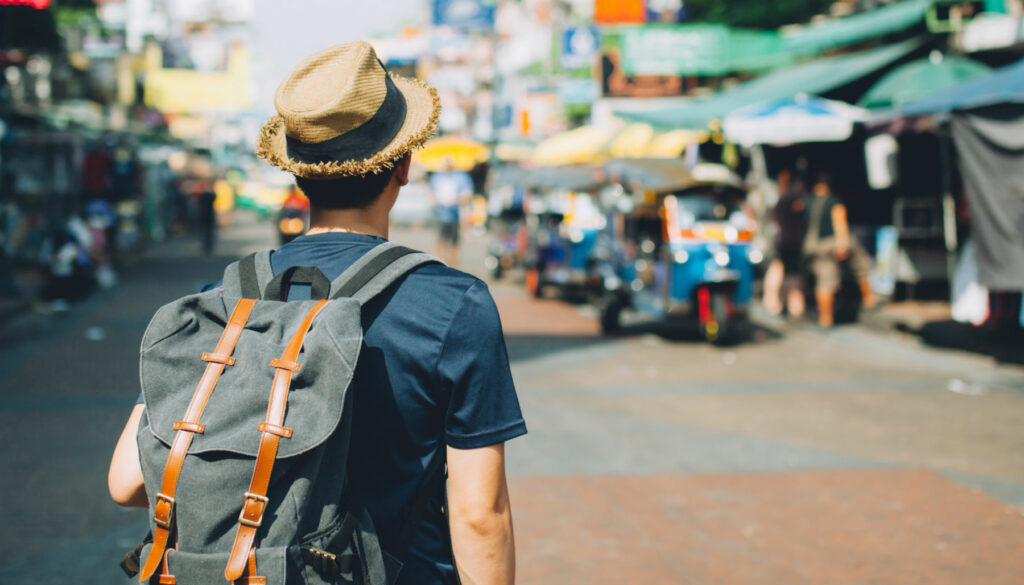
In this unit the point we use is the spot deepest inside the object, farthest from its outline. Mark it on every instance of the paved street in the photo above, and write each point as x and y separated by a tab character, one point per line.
801	457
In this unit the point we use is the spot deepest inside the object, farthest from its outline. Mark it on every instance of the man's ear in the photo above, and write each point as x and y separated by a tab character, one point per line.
402	170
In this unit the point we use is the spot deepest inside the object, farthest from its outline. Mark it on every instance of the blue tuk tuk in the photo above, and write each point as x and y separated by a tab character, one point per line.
563	221
679	246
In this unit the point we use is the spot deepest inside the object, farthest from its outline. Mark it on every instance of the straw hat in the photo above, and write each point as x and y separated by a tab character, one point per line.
341	114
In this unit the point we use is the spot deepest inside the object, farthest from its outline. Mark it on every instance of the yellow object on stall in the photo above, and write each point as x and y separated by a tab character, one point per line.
672	144
632	142
464	153
577	146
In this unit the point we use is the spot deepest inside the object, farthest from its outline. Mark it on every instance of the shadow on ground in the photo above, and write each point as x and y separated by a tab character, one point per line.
685	331
526	347
1004	347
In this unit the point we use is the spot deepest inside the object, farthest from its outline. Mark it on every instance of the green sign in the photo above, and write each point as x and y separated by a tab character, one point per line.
696	49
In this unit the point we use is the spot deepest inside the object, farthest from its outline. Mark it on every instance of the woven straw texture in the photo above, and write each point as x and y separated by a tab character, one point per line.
333	92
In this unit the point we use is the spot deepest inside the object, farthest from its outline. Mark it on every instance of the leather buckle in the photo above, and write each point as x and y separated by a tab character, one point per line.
258	500
164	522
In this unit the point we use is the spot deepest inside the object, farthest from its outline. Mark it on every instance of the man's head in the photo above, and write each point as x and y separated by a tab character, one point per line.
822	184
358	192
345	126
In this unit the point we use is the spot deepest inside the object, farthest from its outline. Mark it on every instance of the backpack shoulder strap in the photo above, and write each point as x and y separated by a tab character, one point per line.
248	277
376	270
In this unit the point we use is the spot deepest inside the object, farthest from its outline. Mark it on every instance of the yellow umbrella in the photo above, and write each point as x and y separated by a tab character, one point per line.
577	146
462	152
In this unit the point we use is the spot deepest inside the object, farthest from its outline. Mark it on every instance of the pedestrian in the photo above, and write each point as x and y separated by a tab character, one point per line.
432	387
450	189
784	277
828	243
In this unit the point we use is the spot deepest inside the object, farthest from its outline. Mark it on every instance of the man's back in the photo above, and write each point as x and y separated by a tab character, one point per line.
433	372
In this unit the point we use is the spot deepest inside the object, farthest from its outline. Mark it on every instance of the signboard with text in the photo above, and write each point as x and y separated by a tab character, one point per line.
464	14
619	11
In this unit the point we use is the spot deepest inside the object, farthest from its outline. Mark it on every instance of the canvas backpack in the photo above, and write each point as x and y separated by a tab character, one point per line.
245	440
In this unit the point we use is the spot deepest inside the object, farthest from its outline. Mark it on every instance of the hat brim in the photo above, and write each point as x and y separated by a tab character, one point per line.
423	106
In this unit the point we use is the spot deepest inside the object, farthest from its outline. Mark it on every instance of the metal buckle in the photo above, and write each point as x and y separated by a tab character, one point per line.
263	500
166	524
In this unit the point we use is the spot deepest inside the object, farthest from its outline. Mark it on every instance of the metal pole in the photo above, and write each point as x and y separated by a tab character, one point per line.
948	206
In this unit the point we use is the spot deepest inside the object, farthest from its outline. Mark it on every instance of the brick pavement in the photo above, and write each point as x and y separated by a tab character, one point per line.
837	458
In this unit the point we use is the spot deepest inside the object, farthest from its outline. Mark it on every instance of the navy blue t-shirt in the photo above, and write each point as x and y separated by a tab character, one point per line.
433	371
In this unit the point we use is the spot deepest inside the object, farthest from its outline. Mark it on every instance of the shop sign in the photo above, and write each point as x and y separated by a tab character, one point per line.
666	11
697	49
619	11
464	14
37	4
578	91
579	46
661	50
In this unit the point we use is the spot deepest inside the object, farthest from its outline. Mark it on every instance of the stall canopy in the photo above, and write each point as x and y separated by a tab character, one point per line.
1003	86
814	77
801	119
920	79
990	145
833	34
658	174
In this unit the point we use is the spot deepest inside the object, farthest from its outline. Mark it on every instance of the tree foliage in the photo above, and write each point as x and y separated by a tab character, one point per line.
761	14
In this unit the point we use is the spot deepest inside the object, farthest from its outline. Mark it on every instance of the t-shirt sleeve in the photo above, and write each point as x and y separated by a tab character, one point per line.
483	408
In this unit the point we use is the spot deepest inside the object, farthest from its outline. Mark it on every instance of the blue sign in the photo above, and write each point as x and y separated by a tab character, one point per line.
666	10
578	91
464	14
580	45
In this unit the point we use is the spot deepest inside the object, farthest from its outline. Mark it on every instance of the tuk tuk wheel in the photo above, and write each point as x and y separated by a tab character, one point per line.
611	313
533	284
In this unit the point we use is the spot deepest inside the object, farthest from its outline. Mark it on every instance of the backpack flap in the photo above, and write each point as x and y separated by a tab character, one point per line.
172	365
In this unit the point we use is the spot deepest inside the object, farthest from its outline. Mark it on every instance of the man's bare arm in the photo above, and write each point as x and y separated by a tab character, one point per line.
125	477
481	516
842	230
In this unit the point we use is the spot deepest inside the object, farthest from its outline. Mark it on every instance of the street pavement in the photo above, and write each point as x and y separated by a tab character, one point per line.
800	457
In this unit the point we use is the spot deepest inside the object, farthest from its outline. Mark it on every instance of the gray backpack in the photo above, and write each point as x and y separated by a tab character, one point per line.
245	442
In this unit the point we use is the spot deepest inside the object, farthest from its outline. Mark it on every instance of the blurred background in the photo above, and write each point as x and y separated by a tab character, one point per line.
759	264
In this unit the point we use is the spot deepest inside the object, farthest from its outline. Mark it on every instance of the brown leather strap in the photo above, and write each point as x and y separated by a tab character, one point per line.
163	509
254	502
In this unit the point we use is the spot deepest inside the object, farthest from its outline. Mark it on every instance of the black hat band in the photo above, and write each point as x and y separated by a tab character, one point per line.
359	143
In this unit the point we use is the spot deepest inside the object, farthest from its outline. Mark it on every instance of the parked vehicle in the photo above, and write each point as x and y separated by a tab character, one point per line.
563	221
682	252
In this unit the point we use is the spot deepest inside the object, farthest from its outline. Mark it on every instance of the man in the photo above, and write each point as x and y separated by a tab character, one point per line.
785	270
433	377
829	242
450	188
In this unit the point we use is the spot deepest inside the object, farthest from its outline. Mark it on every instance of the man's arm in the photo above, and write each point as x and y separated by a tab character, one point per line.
481	516
125	477
842	229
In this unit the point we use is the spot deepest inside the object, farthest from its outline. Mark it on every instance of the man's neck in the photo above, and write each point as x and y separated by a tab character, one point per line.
369	221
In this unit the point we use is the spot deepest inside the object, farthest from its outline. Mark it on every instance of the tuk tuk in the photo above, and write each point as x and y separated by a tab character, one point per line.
679	247
563	222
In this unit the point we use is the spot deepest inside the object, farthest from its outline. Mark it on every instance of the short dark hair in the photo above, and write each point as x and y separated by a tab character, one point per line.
345	192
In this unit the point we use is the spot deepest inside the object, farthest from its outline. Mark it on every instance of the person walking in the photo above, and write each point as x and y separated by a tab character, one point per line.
432	386
829	242
450	189
784	277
